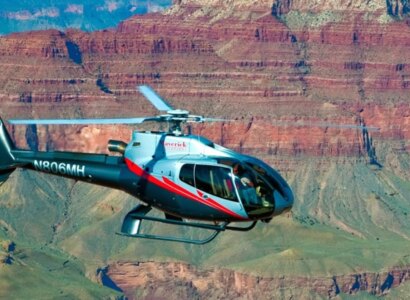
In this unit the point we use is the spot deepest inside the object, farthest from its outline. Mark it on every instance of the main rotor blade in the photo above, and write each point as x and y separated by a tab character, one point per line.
215	120
200	119
325	124
82	121
154	98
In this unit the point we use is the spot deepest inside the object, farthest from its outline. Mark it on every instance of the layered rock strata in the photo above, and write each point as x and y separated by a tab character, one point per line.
265	65
151	280
234	61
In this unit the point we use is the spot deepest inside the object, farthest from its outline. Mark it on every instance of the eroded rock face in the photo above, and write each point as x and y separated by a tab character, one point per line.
152	279
226	59
266	65
394	8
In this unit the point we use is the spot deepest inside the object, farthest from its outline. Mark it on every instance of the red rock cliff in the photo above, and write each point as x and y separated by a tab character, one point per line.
264	64
151	280
234	61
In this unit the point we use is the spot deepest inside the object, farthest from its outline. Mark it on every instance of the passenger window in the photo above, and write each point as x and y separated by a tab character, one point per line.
187	174
216	181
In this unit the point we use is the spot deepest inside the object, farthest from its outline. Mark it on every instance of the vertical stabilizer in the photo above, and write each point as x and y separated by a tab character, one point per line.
7	162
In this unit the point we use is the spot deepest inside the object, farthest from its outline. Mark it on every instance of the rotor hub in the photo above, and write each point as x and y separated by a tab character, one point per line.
178	113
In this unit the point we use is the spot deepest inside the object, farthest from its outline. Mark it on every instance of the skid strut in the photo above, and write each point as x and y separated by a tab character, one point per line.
131	227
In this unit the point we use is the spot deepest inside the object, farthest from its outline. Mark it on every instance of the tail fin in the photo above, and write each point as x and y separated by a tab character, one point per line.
7	161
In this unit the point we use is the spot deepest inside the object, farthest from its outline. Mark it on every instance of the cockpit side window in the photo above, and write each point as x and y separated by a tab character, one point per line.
203	179
187	174
215	180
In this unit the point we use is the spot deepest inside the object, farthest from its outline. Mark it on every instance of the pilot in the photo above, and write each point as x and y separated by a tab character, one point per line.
243	175
247	191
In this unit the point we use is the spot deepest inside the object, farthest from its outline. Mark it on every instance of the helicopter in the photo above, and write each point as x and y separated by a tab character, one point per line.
193	181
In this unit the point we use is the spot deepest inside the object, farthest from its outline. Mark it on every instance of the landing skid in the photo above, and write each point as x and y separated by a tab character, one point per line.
132	224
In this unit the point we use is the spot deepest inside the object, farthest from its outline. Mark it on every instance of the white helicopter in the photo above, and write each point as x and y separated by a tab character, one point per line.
185	176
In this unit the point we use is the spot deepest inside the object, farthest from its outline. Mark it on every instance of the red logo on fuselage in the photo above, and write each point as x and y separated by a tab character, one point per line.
175	146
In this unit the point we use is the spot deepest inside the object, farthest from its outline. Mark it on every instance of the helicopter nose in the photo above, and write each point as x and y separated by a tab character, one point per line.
283	203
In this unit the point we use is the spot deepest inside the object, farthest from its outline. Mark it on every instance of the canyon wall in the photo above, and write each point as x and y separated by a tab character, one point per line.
244	64
147	280
297	81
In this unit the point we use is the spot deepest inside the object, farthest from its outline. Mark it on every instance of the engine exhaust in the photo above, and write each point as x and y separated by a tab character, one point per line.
116	146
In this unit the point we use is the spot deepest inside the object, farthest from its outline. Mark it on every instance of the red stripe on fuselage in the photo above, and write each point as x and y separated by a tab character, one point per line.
208	201
174	188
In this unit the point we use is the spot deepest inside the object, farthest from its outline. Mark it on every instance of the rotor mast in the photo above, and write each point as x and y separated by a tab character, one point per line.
175	119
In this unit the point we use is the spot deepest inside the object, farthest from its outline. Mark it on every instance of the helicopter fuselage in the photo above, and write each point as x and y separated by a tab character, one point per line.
186	176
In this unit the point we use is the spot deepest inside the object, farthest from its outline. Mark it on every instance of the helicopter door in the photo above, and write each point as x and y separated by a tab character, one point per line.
213	180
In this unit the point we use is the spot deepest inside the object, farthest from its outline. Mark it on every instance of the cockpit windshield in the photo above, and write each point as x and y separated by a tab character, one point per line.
254	190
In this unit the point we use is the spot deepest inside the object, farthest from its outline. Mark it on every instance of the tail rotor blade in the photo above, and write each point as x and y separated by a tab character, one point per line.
154	98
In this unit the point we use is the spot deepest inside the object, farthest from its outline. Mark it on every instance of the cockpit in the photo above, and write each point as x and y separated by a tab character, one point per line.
254	190
236	181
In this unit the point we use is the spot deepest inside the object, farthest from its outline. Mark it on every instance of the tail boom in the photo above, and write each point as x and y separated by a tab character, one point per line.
99	169
94	168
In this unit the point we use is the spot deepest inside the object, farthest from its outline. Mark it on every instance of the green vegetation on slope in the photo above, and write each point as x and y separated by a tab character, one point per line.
347	219
44	273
